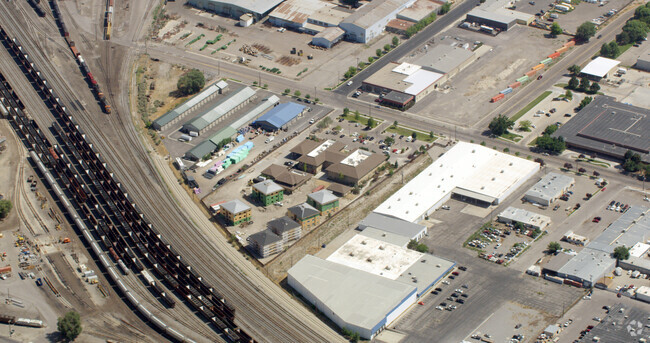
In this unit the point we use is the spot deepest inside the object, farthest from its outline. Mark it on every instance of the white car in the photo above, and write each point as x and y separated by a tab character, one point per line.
349	83
445	282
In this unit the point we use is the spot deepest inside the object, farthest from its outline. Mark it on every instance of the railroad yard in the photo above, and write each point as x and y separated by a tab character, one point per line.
293	197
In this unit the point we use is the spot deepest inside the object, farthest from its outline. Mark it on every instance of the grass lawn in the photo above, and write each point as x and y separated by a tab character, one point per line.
623	48
363	120
533	142
530	106
420	136
512	136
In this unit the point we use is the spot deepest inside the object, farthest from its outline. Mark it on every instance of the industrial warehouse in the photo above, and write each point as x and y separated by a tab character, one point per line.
470	172
347	286
610	128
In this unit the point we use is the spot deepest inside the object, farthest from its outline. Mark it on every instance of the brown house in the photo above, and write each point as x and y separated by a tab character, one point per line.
313	156
288	179
355	168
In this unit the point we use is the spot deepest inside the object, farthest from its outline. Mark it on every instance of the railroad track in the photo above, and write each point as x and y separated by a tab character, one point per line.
260	316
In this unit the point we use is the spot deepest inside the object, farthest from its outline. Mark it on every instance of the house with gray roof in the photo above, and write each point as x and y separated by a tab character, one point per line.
266	243
306	215
235	212
286	228
324	201
268	192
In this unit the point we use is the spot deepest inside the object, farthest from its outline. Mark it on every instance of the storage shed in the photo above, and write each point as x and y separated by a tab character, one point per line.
280	116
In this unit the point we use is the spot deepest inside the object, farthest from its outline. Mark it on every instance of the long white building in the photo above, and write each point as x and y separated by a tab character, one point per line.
468	171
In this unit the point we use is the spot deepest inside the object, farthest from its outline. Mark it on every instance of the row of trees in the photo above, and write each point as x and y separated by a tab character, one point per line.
585	31
551	144
583	85
632	163
621	252
500	125
5	208
420	25
637	28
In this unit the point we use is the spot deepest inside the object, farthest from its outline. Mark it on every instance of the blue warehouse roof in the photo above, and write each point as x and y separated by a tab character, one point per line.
280	115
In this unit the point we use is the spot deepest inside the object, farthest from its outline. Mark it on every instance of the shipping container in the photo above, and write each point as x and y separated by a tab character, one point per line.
74	50
554	55
546	61
523	79
6	269
562	49
497	97
515	85
185	138
531	73
538	67
554	279
570	43
506	91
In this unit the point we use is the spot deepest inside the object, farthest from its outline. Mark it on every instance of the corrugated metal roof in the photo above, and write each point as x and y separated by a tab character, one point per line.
171	115
296	11
281	114
224	106
259	109
225	133
374	11
255	6
204	148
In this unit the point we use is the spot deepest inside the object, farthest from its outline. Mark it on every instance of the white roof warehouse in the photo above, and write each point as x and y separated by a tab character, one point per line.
470	171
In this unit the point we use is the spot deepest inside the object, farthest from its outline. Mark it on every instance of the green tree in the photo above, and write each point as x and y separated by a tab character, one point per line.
370	59
573	82
297	94
550	129
389	141
346	111
387	47
525	125
631	161
621	253
324	123
316	100
371	122
286	91
553	247
574	69
191	82
568	94
69	325
357	116
431	134
633	31
585	31
414	135
5	208
610	50
584	102
395	41
594	88
307	96
444	9
554	145
500	125
378	53
395	123
584	84
556	30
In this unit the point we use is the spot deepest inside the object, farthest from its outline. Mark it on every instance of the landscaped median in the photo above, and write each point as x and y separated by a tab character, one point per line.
531	105
362	119
420	135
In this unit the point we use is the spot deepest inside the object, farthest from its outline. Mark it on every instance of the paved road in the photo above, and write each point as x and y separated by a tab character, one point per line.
405	48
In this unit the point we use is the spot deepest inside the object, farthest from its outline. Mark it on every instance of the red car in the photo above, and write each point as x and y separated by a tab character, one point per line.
596	219
455	273
539	77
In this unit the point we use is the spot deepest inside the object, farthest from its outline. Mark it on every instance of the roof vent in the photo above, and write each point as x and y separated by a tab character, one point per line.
493	178
363	242
387	267
351	254
383	235
502	171
369	260
410	193
381	247
473	151
423	261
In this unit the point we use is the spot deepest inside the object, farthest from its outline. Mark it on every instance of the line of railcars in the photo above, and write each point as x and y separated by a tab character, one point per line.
94	86
129	232
108	19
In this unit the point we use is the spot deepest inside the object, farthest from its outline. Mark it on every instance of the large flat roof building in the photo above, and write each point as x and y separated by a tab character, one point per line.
492	19
353	299
236	8
643	62
549	188
445	59
370	19
392	262
529	219
595	260
469	171
393	225
610	128
599	68
419	10
411	80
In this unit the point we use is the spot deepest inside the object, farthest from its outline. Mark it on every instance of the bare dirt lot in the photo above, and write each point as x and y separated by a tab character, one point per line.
513	53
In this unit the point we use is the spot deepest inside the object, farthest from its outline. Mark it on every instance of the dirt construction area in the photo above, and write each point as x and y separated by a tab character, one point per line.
468	99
